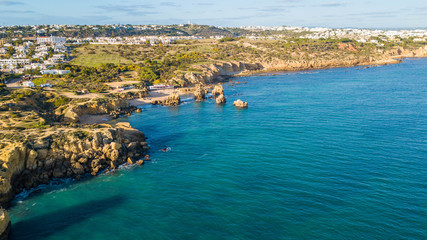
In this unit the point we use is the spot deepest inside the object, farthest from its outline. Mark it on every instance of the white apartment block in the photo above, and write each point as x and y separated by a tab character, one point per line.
55	71
12	61
51	40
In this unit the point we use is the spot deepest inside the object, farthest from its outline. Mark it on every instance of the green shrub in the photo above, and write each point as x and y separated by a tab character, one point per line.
61	101
227	39
81	134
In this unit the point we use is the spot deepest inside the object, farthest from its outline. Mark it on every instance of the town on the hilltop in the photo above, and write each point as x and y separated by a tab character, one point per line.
39	48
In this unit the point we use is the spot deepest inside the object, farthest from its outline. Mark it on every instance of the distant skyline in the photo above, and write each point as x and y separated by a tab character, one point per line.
311	13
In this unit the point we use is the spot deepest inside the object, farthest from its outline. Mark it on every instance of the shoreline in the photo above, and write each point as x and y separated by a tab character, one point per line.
163	94
105	118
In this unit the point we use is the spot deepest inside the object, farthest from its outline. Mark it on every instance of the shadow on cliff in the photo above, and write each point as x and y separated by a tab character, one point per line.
40	227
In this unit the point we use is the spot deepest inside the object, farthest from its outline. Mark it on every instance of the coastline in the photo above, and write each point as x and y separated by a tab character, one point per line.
102	112
163	94
35	157
168	162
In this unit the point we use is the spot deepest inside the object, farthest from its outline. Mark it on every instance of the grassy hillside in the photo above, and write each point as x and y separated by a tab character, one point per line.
95	56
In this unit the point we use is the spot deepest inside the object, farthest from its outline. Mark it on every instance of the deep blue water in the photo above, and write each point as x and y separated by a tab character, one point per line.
330	154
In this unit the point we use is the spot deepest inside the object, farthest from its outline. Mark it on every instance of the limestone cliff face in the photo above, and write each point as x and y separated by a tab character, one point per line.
98	106
4	224
220	71
401	52
216	73
65	152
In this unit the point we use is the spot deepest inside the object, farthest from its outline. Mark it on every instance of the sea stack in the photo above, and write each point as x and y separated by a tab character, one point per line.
218	90
220	99
239	103
199	93
173	100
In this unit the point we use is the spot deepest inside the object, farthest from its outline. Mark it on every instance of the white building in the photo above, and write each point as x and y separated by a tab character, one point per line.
13	61
28	84
54	71
51	40
3	50
34	66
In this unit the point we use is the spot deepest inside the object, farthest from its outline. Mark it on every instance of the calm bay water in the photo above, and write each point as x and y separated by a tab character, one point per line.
331	154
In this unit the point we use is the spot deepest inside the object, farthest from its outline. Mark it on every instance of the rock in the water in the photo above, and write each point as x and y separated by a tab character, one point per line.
138	110
199	93
140	162
240	103
172	100
220	99
218	90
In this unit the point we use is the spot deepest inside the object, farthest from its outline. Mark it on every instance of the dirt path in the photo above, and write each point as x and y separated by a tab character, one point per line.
14	83
89	95
93	119
118	84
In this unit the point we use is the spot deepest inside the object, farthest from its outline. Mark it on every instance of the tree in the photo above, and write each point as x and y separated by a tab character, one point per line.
10	51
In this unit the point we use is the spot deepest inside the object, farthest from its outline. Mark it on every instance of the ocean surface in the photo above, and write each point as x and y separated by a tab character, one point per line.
325	154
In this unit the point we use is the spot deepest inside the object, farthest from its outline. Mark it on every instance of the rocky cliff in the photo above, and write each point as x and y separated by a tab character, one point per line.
30	157
4	224
173	100
220	71
112	106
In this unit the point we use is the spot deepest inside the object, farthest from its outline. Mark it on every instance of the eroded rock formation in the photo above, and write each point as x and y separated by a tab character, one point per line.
199	93
36	158
239	103
218	90
220	99
4	224
172	100
114	107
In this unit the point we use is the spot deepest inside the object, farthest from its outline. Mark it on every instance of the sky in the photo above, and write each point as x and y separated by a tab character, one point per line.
234	13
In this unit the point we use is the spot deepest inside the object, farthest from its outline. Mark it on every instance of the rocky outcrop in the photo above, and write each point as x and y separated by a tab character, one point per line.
402	52
4	224
214	73
220	99
239	103
221	71
112	106
132	94
65	152
199	93
218	94
218	90
172	100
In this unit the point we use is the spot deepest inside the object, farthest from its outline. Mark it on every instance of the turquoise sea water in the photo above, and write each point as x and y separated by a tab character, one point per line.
330	154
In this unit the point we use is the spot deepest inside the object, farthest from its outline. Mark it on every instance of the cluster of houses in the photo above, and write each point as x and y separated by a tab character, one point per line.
34	53
360	35
137	40
367	35
45	52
